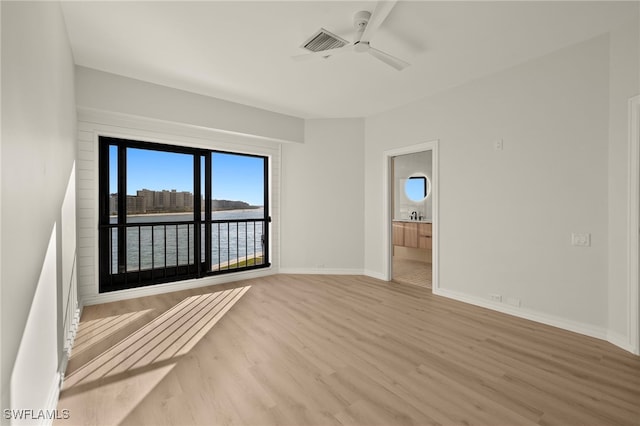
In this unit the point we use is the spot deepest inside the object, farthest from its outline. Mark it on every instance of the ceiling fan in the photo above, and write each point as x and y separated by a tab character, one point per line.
324	44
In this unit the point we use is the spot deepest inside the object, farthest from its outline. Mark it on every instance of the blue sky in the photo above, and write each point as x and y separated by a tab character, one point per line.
235	177
415	189
238	177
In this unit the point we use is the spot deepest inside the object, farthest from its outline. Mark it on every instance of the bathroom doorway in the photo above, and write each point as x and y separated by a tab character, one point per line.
412	217
411	207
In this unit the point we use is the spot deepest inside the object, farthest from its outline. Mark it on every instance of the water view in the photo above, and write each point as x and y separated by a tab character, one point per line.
168	240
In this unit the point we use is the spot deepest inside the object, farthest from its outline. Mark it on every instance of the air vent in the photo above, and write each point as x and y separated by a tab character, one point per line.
324	40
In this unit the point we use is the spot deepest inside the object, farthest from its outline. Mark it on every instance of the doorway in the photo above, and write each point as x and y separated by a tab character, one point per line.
410	198
411	223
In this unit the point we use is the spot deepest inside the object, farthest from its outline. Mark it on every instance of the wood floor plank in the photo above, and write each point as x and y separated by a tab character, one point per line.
336	350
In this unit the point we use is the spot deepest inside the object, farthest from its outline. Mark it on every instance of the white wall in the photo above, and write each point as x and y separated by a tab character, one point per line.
38	151
624	83
322	199
35	379
128	108
114	105
506	217
110	92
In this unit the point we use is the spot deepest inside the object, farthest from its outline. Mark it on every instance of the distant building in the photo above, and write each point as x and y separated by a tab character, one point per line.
148	196
113	204
165	198
183	200
167	201
188	200
135	205
156	201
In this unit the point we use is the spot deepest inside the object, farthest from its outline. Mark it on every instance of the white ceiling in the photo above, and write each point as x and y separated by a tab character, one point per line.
241	50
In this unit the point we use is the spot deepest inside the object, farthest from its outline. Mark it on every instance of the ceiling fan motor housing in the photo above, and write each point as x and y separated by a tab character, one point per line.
360	19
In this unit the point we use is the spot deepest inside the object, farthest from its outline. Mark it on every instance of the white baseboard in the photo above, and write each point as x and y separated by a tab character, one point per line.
321	271
563	323
376	275
153	290
43	416
622	342
52	399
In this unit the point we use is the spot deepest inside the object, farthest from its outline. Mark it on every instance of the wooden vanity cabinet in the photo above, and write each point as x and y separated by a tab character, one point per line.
424	236
412	234
398	233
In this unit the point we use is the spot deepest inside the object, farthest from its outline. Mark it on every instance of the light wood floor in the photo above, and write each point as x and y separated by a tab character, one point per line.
336	350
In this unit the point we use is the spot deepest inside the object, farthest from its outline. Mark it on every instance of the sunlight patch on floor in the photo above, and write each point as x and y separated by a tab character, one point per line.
94	331
141	360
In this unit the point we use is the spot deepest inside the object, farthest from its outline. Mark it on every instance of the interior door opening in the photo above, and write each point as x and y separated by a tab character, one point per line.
410	197
412	218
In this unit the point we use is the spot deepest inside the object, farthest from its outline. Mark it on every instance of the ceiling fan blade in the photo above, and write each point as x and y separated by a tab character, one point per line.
382	10
396	63
323	53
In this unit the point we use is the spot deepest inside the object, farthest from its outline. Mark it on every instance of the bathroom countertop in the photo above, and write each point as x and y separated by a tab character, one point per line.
412	221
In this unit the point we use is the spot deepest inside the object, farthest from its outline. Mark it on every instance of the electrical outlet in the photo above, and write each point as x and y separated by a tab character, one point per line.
581	239
498	145
495	297
513	301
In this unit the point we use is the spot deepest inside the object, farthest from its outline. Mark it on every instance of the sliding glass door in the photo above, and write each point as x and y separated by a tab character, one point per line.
169	213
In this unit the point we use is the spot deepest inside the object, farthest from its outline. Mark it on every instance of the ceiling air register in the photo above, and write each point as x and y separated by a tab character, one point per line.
324	40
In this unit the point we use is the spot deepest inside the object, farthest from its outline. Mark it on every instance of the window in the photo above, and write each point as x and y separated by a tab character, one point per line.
168	213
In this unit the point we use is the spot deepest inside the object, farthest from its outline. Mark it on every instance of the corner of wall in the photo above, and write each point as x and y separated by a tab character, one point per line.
322	198
623	181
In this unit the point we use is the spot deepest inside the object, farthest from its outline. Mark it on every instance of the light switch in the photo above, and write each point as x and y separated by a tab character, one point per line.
498	145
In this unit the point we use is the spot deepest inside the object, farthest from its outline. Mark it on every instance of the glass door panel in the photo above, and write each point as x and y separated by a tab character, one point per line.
160	216
238	197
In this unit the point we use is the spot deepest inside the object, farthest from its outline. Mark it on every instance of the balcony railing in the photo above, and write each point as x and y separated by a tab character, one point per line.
153	252
237	243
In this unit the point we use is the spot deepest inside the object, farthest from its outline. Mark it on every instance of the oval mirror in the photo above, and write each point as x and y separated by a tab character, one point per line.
417	187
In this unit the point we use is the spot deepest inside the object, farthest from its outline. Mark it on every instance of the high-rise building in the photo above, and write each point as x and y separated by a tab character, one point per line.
135	205
149	201
188	200
113	204
179	196
148	196
172	200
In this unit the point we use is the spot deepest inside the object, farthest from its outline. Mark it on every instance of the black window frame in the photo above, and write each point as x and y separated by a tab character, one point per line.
124	279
